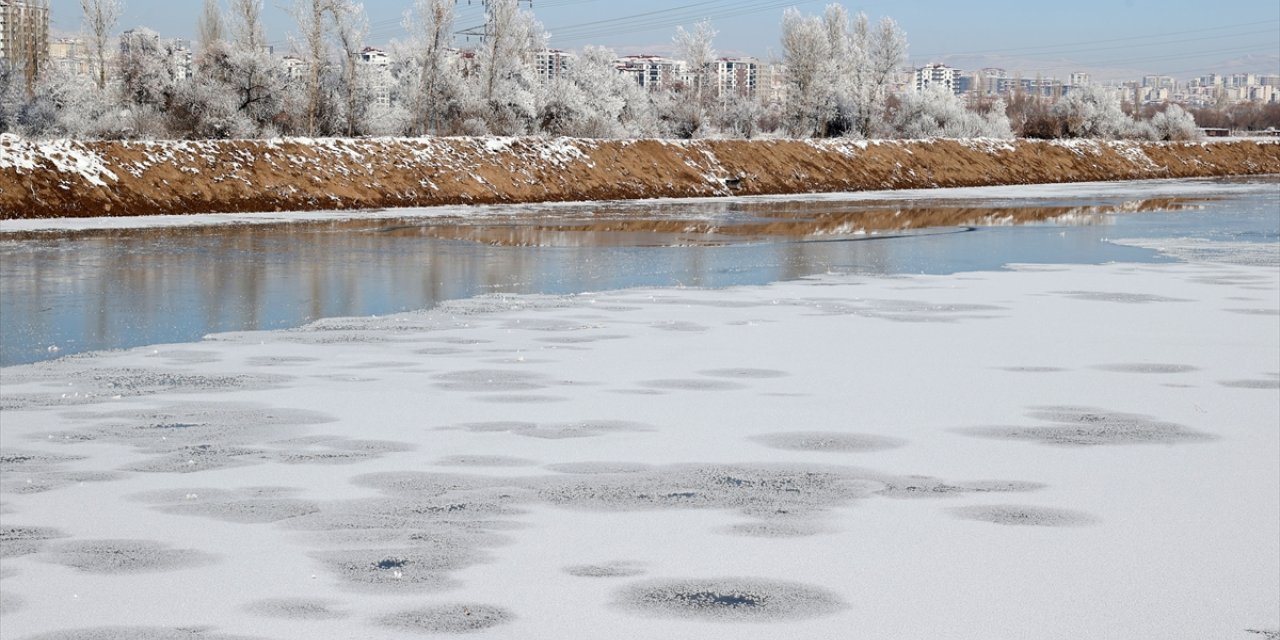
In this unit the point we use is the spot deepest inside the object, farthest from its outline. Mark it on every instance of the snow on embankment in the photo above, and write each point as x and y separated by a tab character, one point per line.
67	179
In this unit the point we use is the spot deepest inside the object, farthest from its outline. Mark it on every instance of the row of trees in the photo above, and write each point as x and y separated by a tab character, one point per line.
840	82
1093	112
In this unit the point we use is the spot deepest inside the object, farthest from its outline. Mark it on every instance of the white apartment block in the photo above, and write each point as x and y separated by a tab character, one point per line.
654	72
295	70
737	77
552	63
936	75
377	68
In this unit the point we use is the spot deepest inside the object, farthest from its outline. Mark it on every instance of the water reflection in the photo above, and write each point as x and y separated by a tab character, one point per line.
766	222
102	290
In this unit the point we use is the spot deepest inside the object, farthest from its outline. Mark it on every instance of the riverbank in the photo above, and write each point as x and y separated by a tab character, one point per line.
89	179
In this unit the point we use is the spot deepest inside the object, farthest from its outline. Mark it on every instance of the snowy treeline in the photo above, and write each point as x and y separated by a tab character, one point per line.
840	73
1091	111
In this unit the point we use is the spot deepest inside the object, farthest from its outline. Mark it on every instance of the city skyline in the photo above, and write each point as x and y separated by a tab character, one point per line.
1112	41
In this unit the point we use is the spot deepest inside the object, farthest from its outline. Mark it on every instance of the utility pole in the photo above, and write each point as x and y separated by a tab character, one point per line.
483	31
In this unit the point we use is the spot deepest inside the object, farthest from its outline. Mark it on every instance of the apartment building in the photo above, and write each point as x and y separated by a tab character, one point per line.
70	55
377	66
177	52
654	72
552	63
737	77
24	28
934	75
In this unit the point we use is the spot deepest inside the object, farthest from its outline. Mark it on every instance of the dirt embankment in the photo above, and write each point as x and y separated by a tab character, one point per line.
71	179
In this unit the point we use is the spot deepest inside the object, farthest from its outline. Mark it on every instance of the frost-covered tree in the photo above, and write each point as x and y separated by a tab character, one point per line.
936	112
100	18
209	26
885	50
253	74
350	26
1174	124
148	77
208	104
506	79
11	100
430	79
807	54
593	100
206	107
696	48
65	106
740	115
840	71
1091	111
313	49
845	68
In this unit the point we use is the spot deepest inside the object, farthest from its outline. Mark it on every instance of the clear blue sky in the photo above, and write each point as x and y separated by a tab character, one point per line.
1112	38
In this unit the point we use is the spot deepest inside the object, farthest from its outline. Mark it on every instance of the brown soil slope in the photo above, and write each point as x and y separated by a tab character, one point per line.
65	179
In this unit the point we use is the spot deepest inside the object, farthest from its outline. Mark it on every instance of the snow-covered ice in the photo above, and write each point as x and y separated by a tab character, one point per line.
1044	452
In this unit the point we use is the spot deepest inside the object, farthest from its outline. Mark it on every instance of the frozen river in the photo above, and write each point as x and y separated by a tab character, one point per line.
1080	445
68	287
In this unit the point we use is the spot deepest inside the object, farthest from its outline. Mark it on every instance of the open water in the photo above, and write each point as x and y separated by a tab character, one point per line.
66	293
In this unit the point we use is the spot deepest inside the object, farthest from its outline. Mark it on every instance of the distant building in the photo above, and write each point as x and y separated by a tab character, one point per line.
1079	79
771	84
737	77
377	65
653	72
177	51
552	63
1042	87
294	68
24	28
71	55
934	75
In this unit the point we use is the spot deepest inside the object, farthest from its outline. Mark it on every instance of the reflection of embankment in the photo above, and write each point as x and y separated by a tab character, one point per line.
77	179
760	222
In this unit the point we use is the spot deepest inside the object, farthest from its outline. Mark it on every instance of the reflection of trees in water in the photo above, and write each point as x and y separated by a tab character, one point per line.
761	222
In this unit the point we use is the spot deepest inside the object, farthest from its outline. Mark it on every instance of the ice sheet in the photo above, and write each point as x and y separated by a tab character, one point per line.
1047	452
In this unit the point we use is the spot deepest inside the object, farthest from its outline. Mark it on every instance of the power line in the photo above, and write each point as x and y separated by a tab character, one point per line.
1110	40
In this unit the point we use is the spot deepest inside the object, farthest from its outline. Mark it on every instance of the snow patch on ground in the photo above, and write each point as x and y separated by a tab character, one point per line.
64	156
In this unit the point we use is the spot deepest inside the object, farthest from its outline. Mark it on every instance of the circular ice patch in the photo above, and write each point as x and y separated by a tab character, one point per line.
594	468
828	441
606	570
295	609
9	603
745	373
448	618
730	599
125	556
1146	367
20	541
479	460
138	633
1024	515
